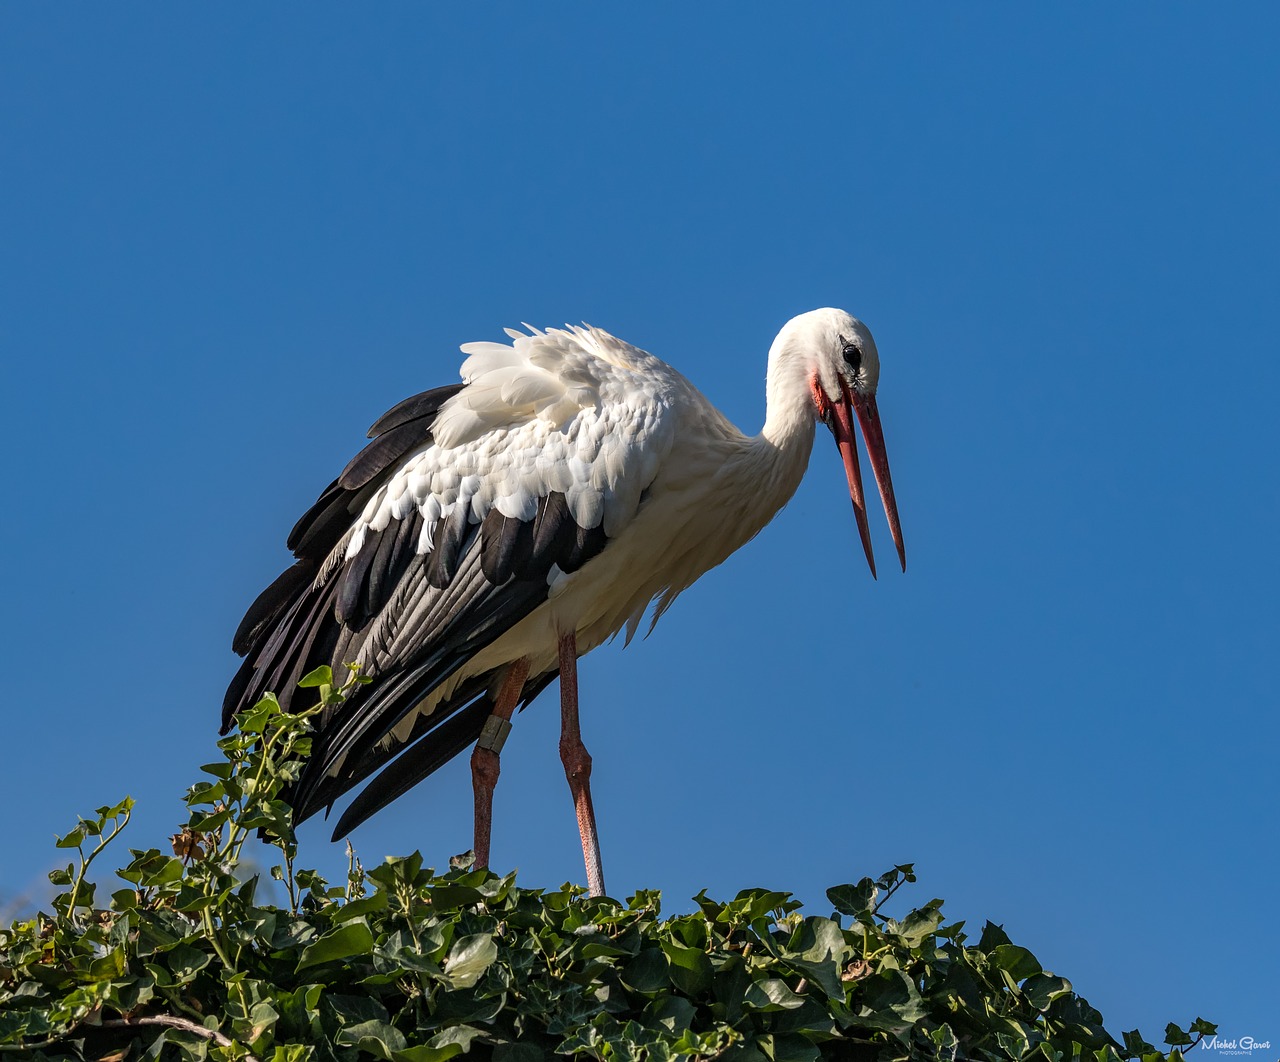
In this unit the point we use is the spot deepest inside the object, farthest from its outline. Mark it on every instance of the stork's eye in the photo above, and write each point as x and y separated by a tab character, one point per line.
852	355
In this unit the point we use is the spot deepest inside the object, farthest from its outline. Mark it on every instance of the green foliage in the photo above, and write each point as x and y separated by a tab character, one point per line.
402	964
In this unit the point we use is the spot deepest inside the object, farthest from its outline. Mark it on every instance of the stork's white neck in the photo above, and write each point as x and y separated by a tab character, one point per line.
789	413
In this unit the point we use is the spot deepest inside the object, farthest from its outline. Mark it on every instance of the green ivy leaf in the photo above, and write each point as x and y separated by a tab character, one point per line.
920	925
1017	962
379	1038
469	958
449	897
771	993
674	1013
321	676
853	899
689	968
185	961
374	904
444	1045
345	942
820	951
992	937
647	972
74	839
1041	989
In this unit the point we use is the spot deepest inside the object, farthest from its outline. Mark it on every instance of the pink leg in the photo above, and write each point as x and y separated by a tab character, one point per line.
577	763
484	761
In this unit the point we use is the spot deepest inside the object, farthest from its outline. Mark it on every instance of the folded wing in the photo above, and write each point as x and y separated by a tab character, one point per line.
446	531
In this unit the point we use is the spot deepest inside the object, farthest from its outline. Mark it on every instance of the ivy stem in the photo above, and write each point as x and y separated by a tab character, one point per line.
206	916
121	820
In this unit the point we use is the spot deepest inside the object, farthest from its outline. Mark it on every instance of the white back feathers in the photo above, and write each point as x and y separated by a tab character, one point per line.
561	410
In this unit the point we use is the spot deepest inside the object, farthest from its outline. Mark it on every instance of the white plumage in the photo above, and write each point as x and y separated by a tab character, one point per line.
553	412
494	531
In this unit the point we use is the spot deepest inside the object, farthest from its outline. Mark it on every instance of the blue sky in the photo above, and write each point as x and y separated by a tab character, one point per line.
233	237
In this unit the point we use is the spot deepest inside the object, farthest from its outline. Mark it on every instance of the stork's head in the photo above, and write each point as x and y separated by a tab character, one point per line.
842	370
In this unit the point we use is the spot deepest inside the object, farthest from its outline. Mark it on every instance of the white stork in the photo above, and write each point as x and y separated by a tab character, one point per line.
495	530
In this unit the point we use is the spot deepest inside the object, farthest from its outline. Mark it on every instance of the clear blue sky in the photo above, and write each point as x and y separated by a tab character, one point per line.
233	236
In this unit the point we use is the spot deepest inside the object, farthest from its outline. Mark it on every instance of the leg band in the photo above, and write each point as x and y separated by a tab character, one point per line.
494	734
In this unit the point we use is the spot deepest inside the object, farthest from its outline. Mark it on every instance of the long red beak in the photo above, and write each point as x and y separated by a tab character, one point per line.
873	434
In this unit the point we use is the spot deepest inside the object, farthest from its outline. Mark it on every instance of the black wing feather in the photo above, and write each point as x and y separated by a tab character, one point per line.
268	665
507	546
452	533
383	451
355	575
392	562
326	521
294	658
415	407
553	534
587	543
270	603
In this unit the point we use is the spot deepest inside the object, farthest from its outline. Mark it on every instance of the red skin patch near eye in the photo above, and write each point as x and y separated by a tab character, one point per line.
820	398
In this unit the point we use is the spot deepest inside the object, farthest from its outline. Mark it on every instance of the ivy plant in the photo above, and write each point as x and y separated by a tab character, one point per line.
403	964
